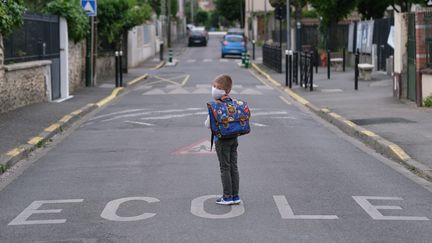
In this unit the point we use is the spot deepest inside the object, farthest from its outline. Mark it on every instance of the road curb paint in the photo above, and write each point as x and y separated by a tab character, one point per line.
132	82
369	138
159	66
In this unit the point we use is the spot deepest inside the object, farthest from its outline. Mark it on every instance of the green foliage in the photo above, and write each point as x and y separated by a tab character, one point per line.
36	5
310	14
71	10
11	12
231	10
372	8
201	17
3	168
214	19
116	17
332	11
428	101
156	6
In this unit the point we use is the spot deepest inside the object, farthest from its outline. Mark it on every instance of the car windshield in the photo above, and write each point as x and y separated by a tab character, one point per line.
197	32
234	38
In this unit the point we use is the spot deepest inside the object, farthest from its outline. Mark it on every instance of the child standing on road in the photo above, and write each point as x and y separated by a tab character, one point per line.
226	145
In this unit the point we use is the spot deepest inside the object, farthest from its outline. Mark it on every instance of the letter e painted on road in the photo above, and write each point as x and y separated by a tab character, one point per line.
33	208
197	209
286	211
372	210
110	210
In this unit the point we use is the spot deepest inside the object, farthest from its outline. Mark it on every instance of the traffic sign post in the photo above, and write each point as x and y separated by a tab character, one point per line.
90	7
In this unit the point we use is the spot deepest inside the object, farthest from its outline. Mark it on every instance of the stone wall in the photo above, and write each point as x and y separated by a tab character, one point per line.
76	65
24	84
105	67
1	59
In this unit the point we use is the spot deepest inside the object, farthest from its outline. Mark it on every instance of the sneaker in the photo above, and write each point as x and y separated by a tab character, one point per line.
224	201
236	200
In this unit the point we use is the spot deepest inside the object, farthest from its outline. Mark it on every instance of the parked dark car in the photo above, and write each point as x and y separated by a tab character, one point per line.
197	37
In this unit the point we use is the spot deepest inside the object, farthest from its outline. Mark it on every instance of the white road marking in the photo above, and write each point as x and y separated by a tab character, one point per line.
373	211
258	124
173	86
116	113
234	92
191	61
110	210
237	86
265	87
197	209
151	112
207	86
179	91
207	60
167	117
155	92
185	80
259	78
201	147
202	91
331	90
284	117
285	100
251	92
140	123
33	208
223	60
269	113
286	211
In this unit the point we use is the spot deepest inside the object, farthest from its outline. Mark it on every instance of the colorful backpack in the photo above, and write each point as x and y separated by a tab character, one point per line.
229	117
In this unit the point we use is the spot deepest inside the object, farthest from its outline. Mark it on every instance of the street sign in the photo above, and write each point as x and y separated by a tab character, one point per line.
90	7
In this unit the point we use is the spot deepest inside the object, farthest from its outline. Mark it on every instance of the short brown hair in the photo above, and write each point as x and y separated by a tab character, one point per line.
225	81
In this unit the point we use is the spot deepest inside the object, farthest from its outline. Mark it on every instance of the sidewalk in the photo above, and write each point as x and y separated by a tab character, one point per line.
17	127
372	107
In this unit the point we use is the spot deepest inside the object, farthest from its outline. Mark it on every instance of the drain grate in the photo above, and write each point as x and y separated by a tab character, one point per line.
381	120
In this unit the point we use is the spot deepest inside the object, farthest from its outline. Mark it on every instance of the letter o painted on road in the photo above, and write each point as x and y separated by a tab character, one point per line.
110	210
197	209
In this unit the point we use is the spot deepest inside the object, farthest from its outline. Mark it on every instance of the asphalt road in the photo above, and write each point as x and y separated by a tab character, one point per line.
140	171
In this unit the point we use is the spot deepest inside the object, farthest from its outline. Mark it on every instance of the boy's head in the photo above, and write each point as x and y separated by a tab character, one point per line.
223	82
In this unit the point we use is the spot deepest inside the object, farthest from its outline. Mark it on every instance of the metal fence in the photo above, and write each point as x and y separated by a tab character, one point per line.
37	39
306	69
272	57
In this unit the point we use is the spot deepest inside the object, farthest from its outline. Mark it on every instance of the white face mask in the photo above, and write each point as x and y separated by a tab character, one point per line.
217	93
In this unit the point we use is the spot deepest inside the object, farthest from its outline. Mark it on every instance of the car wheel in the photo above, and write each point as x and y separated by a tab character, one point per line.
223	56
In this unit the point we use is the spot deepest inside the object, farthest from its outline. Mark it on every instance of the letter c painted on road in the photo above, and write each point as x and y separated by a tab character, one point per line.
110	210
197	209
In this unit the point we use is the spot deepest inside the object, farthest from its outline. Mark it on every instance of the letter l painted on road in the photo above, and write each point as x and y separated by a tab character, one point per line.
286	211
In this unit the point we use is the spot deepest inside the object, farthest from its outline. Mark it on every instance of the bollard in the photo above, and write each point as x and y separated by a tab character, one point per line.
243	57
170	56
328	64
161	51
343	57
356	70
295	68
311	71
116	69
121	68
247	61
253	50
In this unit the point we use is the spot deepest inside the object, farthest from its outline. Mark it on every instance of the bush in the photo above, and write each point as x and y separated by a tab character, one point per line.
428	101
11	12
71	10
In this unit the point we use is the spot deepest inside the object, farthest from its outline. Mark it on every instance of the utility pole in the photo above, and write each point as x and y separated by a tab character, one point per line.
288	15
163	20
169	23
265	20
192	11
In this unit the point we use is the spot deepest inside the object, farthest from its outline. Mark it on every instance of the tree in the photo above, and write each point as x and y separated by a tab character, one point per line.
332	11
156	6
372	8
116	17
231	10
404	5
71	10
201	17
36	5
11	12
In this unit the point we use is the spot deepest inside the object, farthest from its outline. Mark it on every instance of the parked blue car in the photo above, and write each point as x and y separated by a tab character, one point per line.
233	45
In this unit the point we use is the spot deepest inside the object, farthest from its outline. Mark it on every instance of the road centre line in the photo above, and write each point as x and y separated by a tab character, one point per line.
150	112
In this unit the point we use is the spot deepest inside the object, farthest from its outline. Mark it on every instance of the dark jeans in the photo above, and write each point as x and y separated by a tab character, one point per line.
226	150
